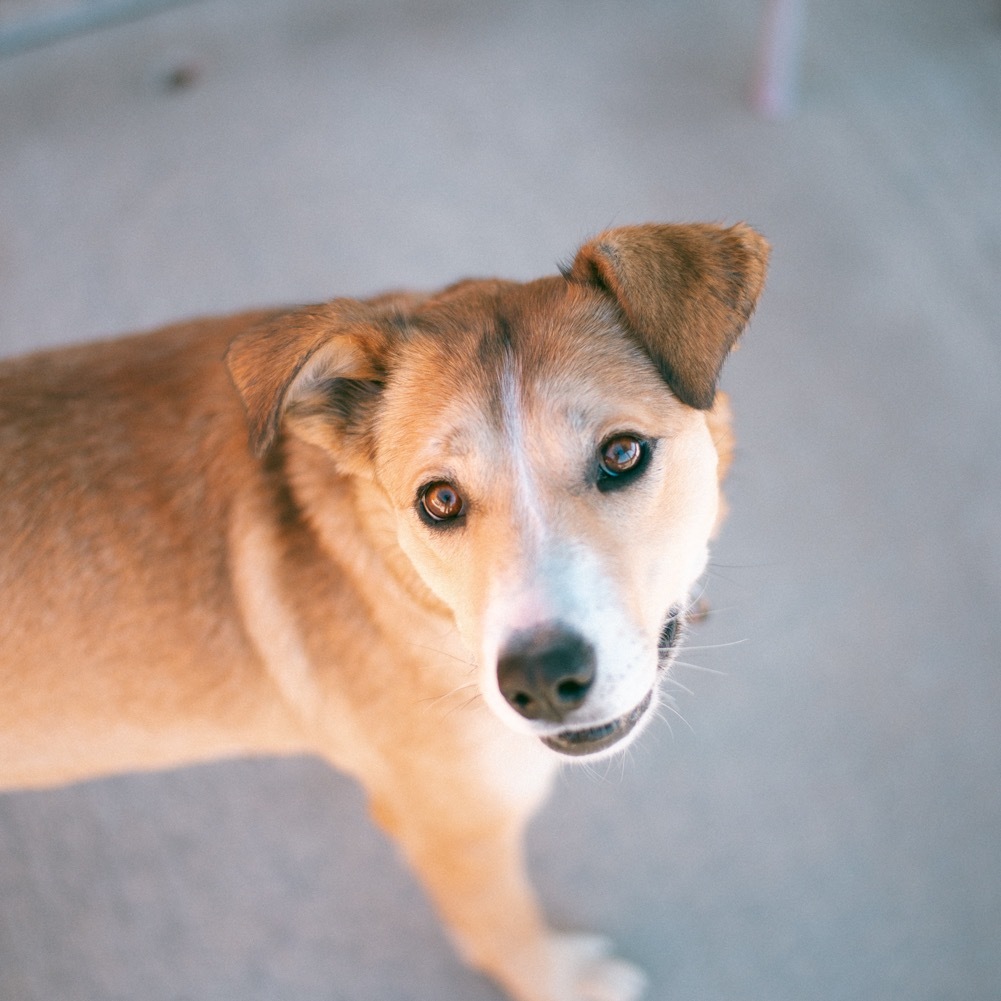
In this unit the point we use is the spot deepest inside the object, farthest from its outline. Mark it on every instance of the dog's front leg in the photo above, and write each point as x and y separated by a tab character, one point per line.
469	854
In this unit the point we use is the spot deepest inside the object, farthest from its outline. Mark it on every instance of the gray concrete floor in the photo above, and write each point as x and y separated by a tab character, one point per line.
826	824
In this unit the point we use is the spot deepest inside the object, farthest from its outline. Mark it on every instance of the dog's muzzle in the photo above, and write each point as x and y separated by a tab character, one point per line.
591	740
545	674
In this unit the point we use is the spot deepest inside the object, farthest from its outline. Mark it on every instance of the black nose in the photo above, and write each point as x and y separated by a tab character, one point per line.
545	673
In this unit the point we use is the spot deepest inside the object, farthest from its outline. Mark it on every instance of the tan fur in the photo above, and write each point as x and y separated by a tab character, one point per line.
171	595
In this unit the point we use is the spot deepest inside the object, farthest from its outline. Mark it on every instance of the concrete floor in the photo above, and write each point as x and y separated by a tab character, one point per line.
826	824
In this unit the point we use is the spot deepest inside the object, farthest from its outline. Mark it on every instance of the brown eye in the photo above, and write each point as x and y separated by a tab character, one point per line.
621	454
621	460
441	502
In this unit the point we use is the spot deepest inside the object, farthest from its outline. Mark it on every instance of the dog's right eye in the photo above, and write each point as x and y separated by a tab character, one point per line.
440	502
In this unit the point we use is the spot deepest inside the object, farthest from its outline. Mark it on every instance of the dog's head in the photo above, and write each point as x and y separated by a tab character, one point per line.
545	449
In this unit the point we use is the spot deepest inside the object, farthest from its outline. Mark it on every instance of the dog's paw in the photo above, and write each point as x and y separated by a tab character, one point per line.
592	973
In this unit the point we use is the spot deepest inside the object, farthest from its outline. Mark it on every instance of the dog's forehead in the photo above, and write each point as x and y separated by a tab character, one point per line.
487	354
551	335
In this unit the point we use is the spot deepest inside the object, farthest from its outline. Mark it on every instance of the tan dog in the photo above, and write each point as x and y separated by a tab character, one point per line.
458	552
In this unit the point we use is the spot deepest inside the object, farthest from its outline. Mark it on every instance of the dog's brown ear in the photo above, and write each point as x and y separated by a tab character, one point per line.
686	291
319	365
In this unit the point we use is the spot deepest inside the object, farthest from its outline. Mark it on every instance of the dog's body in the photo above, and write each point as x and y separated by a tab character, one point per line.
458	552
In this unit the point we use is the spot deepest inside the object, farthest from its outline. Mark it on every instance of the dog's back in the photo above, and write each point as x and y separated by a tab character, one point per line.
118	462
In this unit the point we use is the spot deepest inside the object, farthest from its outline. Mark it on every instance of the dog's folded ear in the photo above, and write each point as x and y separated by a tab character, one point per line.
685	291
321	367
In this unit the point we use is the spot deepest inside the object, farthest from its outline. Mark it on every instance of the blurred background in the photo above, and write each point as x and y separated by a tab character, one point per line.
825	820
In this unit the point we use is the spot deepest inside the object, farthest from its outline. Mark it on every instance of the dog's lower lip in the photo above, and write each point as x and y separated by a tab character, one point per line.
590	740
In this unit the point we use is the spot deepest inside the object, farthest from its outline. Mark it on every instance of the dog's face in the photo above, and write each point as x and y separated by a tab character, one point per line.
548	463
554	493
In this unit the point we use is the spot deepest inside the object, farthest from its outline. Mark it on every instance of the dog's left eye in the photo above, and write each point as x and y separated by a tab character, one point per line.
620	460
440	502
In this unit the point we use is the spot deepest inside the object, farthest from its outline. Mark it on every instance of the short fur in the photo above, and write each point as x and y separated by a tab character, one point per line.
170	595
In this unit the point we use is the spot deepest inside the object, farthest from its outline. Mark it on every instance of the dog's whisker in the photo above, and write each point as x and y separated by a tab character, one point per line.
743	566
659	715
698	667
432	701
674	683
444	653
666	707
630	755
696	598
688	665
716	646
463	706
674	712
716	610
591	769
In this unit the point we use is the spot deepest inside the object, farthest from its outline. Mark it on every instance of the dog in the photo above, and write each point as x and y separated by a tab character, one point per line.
458	551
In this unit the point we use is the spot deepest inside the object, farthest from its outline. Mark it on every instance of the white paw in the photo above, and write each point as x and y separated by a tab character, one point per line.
592	973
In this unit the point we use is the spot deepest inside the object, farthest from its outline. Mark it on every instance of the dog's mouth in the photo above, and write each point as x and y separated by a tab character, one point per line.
592	739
